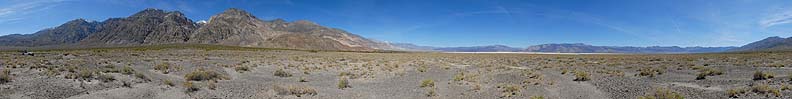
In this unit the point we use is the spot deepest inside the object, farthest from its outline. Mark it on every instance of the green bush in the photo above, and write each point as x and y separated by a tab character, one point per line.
343	82
427	83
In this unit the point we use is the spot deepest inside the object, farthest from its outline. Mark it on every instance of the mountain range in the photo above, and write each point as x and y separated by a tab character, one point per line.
768	44
232	27
569	48
235	27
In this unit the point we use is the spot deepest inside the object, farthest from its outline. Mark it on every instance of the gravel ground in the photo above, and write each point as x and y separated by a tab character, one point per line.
233	74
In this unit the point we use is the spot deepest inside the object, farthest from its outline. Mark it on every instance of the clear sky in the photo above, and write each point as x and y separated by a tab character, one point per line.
517	23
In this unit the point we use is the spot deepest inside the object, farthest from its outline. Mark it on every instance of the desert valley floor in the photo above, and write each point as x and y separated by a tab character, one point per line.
231	73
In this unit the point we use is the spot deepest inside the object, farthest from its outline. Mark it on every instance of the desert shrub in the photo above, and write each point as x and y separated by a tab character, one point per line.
459	76
508	90
298	91
537	97
701	76
190	87
168	82
242	68
704	72
52	72
281	73
302	79
422	68
83	74
5	76
581	76
564	71
141	76
765	89
126	70
203	74
343	82
735	92
427	83
211	85
649	71
785	86
163	67
761	75
105	77
663	93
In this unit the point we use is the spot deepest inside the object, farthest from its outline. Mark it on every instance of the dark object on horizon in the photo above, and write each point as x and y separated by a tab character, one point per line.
25	52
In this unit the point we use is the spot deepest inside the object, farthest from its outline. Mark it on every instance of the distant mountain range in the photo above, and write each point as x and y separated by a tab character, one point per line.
569	48
583	48
236	27
232	27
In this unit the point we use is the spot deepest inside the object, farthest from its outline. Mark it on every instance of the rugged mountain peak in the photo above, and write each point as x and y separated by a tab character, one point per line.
774	38
236	12
150	12
76	22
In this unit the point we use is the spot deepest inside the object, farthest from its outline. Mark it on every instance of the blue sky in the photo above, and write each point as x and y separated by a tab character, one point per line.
517	23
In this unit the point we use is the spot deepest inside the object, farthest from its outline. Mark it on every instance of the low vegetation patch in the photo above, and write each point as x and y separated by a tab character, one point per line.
142	77
427	83
298	91
105	77
168	82
281	73
126	70
343	82
422	68
761	75
242	69
537	97
765	89
663	93
190	87
509	90
166	68
650	72
704	72
735	92
202	74
581	76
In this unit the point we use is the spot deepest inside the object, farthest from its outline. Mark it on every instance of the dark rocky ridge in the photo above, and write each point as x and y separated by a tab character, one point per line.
768	44
231	27
150	26
69	32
